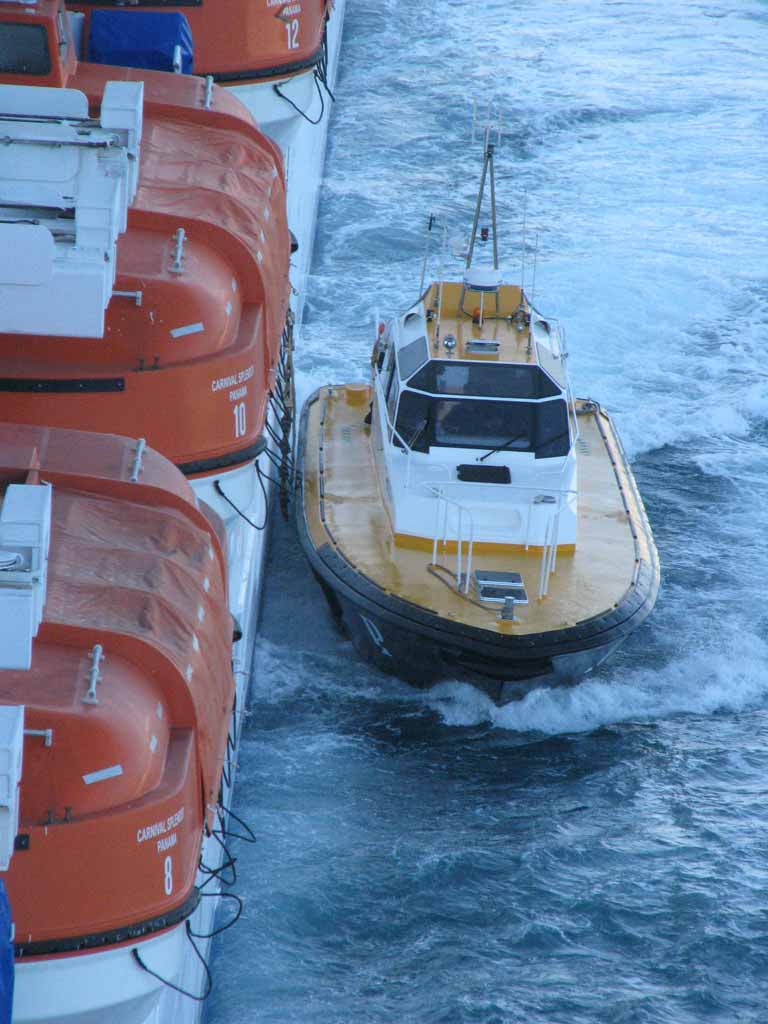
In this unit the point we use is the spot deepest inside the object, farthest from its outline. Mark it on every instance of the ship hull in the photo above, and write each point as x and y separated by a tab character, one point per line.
423	648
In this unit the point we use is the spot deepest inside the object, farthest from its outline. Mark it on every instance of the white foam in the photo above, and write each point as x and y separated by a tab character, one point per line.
730	679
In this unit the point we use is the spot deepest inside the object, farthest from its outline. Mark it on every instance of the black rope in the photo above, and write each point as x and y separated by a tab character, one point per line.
217	487
273	459
228	864
250	838
298	110
432	570
279	463
270	478
176	988
321	82
223	928
273	434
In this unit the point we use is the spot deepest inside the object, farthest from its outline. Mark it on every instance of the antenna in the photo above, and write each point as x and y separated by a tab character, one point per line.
522	247
535	260
432	220
491	139
440	289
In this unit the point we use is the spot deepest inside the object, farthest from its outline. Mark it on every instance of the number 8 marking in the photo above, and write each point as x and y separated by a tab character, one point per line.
168	875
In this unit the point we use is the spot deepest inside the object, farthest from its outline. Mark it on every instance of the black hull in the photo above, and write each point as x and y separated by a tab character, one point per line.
422	648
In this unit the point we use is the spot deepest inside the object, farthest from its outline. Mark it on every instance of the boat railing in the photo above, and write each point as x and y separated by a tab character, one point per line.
553	500
464	524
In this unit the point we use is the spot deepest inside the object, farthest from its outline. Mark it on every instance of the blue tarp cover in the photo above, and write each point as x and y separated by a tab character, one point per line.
140	39
6	958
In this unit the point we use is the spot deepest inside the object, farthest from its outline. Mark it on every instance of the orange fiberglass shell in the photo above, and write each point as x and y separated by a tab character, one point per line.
189	365
244	40
119	797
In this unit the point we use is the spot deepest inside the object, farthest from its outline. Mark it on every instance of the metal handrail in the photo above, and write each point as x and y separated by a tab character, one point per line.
462	579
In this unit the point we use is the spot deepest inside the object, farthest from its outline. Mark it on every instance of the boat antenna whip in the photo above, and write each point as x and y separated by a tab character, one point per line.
440	293
431	221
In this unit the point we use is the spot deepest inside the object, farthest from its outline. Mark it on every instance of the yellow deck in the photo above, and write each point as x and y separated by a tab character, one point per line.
613	532
500	324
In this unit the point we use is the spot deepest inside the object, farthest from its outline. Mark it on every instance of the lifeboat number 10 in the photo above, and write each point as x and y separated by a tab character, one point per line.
292	28
238	411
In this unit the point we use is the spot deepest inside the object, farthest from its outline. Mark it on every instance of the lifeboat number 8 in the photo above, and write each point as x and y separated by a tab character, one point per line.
292	28
168	875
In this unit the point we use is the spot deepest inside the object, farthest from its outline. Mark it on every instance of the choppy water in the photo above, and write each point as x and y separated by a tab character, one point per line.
600	854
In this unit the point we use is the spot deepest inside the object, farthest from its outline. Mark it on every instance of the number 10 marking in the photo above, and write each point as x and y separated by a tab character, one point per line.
239	413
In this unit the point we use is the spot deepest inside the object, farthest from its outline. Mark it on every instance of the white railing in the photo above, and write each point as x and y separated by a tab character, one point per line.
462	514
549	552
554	497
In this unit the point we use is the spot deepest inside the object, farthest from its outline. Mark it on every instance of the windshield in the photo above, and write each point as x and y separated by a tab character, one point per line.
541	428
490	380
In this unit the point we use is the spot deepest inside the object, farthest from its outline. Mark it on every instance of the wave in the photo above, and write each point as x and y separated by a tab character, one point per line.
731	679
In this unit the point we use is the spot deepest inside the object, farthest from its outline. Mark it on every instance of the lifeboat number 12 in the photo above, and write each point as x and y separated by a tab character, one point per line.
238	412
292	28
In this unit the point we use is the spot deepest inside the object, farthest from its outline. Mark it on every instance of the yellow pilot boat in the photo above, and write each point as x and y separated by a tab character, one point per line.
466	516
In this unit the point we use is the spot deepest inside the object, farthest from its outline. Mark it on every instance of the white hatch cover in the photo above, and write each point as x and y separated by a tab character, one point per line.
66	182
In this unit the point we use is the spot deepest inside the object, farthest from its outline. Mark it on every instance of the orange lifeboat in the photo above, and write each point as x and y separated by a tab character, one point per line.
125	686
178	340
242	40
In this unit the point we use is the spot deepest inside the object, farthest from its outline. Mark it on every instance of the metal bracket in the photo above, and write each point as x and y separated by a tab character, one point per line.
47	735
94	677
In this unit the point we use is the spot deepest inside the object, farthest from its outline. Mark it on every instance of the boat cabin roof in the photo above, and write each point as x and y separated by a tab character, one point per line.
503	349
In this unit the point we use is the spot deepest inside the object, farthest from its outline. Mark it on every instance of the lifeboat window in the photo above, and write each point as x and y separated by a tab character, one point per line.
412	356
491	380
24	49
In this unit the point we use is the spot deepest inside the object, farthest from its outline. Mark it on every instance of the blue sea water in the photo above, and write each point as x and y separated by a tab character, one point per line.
592	855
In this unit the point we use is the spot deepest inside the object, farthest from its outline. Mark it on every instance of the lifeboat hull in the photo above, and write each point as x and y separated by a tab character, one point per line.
104	985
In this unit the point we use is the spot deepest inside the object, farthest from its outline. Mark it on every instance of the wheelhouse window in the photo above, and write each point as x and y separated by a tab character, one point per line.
24	49
538	427
490	380
412	356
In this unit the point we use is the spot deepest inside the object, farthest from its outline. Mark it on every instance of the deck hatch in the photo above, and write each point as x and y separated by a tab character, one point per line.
482	346
497	587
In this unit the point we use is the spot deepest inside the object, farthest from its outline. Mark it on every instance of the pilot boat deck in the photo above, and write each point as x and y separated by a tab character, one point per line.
344	508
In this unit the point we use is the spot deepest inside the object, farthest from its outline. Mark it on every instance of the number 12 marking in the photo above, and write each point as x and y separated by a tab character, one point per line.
292	28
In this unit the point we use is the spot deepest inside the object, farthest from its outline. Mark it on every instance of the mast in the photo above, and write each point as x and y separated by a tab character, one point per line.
488	174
